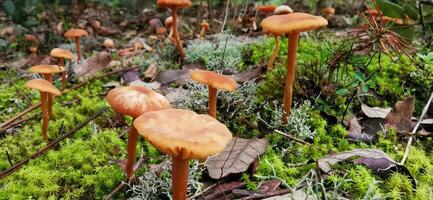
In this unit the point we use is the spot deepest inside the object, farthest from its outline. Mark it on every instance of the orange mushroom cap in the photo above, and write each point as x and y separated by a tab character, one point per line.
204	25
108	43
160	30
173	3
76	33
328	11
136	100
183	133
30	38
47	69
61	53
295	22
43	86
33	49
214	80
266	8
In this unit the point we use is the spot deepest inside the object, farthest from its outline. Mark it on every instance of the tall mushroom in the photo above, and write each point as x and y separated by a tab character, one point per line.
292	24
47	72
76	34
174	5
214	81
62	55
32	39
184	135
134	101
46	89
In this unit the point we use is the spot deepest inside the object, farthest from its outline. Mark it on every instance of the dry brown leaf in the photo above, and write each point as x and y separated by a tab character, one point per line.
249	74
93	65
151	71
236	158
356	133
40	60
400	116
375	112
169	76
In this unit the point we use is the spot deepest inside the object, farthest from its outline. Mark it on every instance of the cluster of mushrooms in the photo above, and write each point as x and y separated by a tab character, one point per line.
184	134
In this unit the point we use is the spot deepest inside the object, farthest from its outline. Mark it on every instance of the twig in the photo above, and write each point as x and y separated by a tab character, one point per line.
292	138
202	192
409	143
51	145
31	108
3	129
226	15
9	158
266	195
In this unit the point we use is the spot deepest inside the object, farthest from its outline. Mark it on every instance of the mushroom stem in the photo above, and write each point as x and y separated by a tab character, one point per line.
179	179
202	32
170	35
275	53
49	78
290	76
132	143
212	101
44	97
176	35
77	43
62	64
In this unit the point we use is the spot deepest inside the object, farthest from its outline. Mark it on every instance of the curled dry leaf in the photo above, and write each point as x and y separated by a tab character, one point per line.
249	74
375	112
400	116
169	76
236	158
151	71
356	133
93	65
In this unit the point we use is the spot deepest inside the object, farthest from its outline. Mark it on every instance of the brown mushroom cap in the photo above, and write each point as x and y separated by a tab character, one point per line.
168	22
43	86
328	11
294	22
183	133
204	25
47	69
75	33
136	100
266	8
214	80
30	38
173	3
108	43
61	53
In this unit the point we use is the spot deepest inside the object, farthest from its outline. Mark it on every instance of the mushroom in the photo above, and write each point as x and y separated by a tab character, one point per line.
174	5
214	81
204	27
62	55
293	25
282	10
328	12
169	24
267	9
134	101
184	135
108	43
46	89
76	34
47	72
32	39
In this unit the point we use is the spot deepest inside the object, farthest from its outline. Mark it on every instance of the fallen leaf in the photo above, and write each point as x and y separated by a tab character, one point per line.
236	158
400	116
131	75
169	76
151	71
356	133
40	60
375	112
249	74
93	65
154	85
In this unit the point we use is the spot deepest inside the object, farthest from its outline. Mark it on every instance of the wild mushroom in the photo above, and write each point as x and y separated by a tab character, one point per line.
174	5
293	25
62	55
134	101
214	81
108	44
204	27
184	135
32	39
76	34
282	10
169	25
47	72
328	12
46	89
267	9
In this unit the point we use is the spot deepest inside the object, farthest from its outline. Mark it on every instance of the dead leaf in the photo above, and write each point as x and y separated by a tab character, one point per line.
151	71
93	65
130	76
375	112
356	133
249	74
400	116
40	60
169	76
236	158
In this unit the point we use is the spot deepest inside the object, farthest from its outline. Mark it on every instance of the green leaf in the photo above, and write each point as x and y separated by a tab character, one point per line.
390	9
365	88
9	7
360	76
342	92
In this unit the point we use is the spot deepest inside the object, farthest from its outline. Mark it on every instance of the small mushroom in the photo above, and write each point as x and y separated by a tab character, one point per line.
47	72
134	101
76	34
204	27
282	10
267	9
169	25
32	39
214	81
184	135
46	89
292	24
62	55
174	5
328	12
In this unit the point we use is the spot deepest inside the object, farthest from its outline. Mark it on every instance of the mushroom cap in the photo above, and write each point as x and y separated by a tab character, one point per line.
43	86
47	69
328	11
33	49
294	22
76	32
168	22
136	100
30	38
160	30
108	43
173	3
266	8
282	10
204	25
61	53
183	133
214	80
